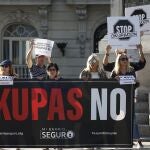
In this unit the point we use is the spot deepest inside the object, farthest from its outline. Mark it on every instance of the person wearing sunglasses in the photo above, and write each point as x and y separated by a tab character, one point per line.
6	69
123	68
53	72
109	66
93	69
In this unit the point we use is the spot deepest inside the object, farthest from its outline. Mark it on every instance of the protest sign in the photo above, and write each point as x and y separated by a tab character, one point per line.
66	114
143	12
6	80
43	47
133	55
127	79
123	32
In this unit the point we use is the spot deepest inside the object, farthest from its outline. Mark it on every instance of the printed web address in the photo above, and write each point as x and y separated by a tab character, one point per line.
104	133
11	133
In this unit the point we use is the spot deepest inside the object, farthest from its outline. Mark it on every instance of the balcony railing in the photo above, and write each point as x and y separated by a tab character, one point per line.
25	2
22	71
86	2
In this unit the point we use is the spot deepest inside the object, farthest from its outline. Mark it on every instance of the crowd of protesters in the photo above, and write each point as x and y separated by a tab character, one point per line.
93	69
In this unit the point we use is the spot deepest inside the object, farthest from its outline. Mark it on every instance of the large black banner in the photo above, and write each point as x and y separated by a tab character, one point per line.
66	114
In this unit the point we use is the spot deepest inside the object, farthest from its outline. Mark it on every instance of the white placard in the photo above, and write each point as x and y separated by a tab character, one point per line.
127	79
43	47
133	55
6	80
123	32
143	12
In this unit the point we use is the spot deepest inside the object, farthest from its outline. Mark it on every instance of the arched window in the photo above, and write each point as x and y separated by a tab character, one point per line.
14	42
99	34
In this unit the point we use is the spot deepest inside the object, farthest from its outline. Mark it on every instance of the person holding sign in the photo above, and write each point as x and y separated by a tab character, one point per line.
123	32
93	69
6	69
109	66
123	69
38	70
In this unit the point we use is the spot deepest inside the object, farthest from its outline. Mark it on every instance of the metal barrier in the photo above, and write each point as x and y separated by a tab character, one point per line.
22	71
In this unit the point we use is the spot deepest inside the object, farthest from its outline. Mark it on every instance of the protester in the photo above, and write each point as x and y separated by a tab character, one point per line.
37	70
136	65
6	69
123	68
93	69
53	72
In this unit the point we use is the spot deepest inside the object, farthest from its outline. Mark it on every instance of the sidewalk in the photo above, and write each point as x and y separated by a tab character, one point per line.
146	147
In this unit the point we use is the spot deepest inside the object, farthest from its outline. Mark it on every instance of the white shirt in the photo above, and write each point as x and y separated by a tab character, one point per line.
94	75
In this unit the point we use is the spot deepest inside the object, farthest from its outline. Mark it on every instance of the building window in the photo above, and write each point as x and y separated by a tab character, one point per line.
14	42
99	38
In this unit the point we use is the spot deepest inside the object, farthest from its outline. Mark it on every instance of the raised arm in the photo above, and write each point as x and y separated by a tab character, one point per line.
106	56
49	60
29	56
140	48
141	64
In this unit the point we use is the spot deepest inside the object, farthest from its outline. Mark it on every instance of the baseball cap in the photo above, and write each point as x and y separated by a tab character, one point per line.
5	62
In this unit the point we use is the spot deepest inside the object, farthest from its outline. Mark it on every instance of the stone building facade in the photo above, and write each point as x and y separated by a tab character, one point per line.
65	21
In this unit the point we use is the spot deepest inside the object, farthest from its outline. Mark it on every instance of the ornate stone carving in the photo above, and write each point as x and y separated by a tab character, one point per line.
81	11
43	13
18	16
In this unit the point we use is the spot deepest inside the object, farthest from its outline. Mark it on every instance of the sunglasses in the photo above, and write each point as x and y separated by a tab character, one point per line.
5	66
124	59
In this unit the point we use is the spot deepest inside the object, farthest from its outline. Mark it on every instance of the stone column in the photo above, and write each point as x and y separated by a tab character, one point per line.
81	11
116	7
43	13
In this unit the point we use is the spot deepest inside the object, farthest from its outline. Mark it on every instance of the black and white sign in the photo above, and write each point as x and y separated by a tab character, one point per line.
6	80
123	32
43	47
71	113
127	79
143	12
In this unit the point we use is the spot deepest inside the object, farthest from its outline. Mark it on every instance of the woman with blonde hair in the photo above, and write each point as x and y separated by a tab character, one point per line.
6	69
109	66
122	66
93	69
